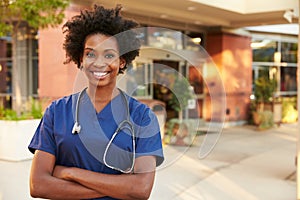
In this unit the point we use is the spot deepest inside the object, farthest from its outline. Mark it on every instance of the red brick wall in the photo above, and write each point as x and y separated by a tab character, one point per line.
232	55
55	78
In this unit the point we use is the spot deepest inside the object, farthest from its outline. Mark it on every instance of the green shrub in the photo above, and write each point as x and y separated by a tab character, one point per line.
33	111
289	110
266	119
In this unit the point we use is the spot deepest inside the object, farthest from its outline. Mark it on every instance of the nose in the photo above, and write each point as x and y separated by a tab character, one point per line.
100	62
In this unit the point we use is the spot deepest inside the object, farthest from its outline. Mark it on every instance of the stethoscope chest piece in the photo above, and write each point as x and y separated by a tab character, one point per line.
76	128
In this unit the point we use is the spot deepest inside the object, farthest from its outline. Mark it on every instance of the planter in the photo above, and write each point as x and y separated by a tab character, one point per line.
180	132
256	118
264	110
263	119
15	137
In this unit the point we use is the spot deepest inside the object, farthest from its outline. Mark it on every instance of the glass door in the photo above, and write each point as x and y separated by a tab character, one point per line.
137	81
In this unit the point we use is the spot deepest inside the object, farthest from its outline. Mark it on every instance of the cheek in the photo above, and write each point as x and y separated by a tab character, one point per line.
115	64
87	61
84	63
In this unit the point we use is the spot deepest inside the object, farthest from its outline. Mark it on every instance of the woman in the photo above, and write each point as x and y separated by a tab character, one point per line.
96	161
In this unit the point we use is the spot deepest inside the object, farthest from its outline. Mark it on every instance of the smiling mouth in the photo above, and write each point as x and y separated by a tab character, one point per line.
100	74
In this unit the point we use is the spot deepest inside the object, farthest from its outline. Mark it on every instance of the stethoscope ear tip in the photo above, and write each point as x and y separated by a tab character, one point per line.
76	128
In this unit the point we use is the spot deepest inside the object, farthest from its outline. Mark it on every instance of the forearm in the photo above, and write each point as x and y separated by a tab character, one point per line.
55	188
46	183
124	186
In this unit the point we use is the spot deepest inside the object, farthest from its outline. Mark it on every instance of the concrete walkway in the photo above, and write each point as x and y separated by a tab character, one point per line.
245	164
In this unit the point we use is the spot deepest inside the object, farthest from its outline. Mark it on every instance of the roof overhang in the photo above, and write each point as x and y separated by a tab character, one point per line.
196	14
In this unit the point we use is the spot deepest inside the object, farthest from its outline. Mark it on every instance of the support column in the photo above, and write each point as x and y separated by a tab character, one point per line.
232	54
20	70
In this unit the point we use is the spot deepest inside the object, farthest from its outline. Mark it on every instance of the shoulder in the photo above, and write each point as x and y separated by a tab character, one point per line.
136	105
63	102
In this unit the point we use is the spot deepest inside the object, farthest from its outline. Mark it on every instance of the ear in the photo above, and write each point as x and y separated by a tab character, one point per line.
122	63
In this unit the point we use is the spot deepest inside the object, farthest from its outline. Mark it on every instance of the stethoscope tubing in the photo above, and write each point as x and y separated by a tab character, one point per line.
77	127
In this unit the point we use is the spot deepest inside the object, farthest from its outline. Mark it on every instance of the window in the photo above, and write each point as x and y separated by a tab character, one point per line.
289	52
29	71
288	79
5	72
33	66
164	38
263	50
277	55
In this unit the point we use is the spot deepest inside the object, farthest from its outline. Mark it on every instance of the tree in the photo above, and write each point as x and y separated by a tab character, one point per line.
37	13
19	18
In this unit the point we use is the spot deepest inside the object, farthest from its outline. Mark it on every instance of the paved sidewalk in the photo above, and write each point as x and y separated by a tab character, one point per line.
245	164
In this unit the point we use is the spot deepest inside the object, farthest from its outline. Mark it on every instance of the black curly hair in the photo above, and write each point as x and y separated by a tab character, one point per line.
108	22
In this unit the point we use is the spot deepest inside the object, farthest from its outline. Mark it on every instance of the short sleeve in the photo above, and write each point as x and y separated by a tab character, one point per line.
43	138
149	140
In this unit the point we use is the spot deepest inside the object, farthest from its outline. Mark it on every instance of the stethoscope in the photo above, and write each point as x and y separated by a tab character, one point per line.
125	124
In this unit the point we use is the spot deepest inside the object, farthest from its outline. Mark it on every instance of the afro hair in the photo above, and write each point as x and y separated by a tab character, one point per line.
108	22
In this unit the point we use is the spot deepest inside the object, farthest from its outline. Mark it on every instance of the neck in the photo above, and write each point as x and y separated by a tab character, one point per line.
102	95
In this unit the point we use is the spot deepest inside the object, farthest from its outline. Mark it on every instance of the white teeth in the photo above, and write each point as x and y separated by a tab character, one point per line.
100	74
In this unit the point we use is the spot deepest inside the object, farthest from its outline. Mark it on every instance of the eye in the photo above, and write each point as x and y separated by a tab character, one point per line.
90	54
109	55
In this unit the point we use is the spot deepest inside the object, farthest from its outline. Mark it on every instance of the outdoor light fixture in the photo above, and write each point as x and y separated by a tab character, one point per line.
196	40
290	14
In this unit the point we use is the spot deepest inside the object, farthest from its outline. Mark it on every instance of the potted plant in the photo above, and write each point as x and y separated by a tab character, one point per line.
262	106
179	128
181	93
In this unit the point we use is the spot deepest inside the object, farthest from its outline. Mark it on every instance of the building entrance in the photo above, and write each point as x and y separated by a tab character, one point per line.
164	75
152	75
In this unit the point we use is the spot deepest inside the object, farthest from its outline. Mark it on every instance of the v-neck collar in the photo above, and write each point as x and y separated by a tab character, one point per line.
103	112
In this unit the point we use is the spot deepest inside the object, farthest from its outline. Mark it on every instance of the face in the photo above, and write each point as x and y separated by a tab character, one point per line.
101	60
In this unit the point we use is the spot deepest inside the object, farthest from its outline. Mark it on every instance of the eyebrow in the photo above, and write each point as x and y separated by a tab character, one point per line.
90	48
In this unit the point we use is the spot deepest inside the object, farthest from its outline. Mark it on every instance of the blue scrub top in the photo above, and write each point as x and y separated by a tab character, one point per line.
86	149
